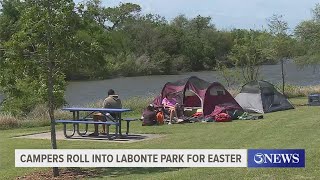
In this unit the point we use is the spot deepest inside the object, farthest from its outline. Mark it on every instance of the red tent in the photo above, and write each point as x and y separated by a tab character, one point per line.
195	92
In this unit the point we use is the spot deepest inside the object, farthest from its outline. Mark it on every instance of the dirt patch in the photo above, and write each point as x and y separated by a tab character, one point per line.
65	174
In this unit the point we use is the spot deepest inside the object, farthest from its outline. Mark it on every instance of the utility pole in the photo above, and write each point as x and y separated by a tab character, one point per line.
282	74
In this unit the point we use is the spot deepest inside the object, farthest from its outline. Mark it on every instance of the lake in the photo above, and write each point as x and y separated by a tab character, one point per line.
83	92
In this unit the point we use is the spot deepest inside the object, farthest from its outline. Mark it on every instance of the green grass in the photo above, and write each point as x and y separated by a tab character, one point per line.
297	128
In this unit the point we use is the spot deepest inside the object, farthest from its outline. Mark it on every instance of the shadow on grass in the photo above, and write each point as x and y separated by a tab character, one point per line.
118	172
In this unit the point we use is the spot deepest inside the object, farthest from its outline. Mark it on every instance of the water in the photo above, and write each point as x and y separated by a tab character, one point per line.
78	93
83	92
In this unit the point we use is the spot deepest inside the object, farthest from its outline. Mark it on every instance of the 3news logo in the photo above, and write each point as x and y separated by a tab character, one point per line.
273	158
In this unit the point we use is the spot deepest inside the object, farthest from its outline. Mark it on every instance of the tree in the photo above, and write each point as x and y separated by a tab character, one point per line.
22	72
38	52
50	80
281	42
316	13
198	41
250	50
117	16
109	18
180	21
308	37
200	23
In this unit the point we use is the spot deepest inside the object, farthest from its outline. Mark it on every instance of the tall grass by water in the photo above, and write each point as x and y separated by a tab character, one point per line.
39	116
292	91
8	121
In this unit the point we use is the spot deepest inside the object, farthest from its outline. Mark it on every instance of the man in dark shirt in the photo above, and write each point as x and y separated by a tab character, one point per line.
112	102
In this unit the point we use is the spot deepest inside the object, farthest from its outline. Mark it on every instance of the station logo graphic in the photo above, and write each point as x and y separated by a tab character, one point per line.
273	158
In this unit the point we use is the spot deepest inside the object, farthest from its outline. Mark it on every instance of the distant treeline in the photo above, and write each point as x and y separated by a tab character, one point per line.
120	41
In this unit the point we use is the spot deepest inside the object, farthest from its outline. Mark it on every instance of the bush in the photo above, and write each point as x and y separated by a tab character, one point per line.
145	66
122	64
27	93
8	121
163	62
181	63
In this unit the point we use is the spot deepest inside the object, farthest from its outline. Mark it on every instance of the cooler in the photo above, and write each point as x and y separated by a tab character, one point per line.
314	100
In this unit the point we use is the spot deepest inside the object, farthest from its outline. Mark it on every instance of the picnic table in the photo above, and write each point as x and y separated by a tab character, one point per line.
88	120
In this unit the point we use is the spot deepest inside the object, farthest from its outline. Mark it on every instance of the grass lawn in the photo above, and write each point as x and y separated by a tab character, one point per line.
297	128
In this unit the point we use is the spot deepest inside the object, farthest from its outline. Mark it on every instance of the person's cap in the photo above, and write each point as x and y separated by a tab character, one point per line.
111	92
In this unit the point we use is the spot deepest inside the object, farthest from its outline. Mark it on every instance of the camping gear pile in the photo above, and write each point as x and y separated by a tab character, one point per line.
213	103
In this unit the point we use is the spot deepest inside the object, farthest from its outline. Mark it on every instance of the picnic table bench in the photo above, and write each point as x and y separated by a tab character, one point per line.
76	126
87	120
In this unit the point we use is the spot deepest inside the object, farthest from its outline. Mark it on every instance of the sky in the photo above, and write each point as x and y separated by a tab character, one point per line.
228	14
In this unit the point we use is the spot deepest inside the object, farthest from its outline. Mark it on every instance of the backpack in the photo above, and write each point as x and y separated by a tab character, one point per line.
160	117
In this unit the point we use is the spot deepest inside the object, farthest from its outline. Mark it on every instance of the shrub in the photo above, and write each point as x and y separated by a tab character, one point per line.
145	66
163	62
181	64
8	121
27	93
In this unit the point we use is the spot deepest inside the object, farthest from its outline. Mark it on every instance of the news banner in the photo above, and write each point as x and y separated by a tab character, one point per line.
252	158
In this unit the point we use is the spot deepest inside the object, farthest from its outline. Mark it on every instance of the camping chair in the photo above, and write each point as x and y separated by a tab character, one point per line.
166	112
179	109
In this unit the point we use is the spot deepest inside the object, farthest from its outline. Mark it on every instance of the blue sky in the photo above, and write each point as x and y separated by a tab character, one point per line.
228	14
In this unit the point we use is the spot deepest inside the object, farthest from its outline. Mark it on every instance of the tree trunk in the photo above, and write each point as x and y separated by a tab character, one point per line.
51	111
50	83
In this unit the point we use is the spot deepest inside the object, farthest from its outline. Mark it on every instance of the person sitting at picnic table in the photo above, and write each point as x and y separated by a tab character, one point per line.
149	116
170	102
113	102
